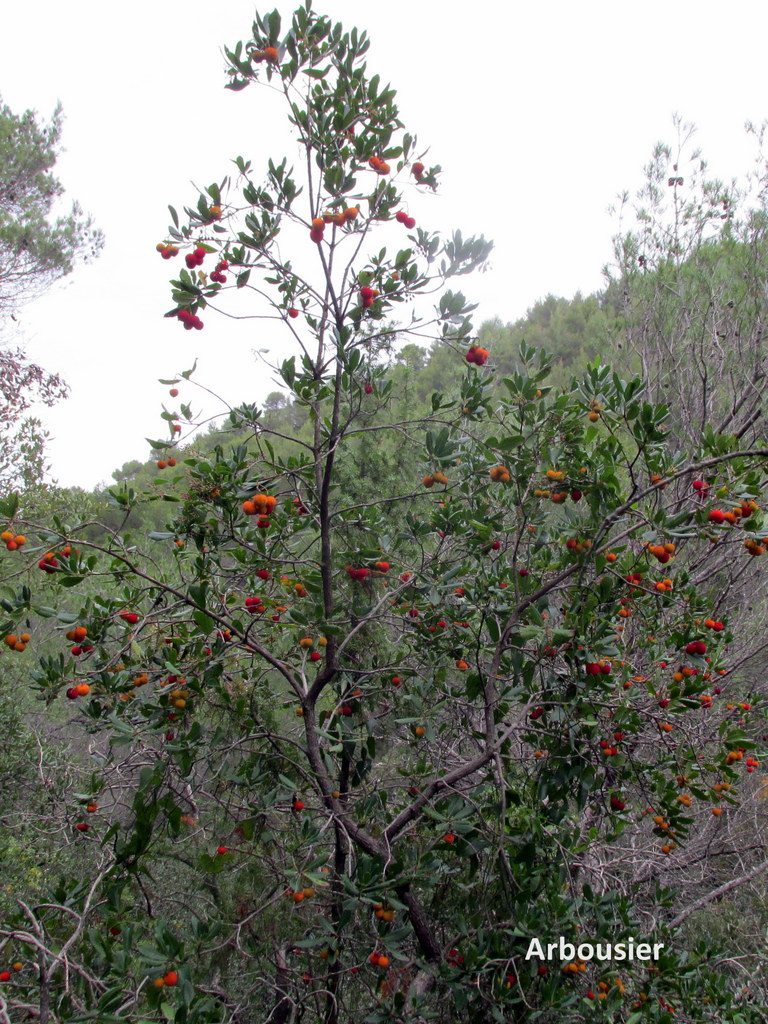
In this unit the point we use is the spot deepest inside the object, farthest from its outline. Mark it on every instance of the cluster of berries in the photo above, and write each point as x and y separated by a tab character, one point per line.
81	690
340	216
50	563
368	296
417	170
500	474
714	624
13	540
261	505
402	218
661	552
434	478
607	749
190	320
167	250
17	643
696	647
76	636
269	54
358	574
254	606
379	165
217	274
478	356
596	668
195	259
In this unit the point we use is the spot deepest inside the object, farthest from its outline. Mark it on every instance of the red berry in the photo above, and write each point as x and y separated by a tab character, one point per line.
221	850
293	313
298	805
315	656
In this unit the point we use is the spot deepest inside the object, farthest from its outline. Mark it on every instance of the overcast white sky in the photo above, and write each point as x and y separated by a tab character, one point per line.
540	114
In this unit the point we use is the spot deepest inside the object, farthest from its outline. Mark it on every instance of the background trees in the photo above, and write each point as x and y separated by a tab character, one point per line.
410	674
36	250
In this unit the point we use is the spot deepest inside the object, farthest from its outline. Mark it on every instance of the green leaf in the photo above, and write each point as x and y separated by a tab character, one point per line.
205	622
530	632
9	506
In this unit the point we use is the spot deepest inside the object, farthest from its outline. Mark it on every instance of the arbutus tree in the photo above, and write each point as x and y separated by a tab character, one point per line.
350	755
